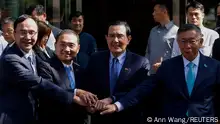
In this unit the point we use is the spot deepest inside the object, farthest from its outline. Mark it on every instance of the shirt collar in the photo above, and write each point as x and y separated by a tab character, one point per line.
195	61
168	25
26	55
120	58
71	65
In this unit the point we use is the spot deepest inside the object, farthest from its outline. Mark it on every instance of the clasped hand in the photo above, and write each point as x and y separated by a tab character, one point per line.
93	104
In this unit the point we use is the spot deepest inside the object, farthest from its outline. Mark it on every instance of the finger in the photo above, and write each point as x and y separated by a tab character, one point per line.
161	59
85	99
107	111
89	100
92	98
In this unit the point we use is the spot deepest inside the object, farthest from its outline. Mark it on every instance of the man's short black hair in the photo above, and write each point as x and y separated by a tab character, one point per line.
21	19
196	5
167	5
39	9
8	20
75	14
124	23
189	27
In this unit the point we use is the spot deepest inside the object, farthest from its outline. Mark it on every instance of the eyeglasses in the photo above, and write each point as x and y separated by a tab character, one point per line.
190	41
30	32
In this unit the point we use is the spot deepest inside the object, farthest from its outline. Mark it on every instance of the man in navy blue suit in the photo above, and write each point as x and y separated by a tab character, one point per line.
115	72
20	84
189	83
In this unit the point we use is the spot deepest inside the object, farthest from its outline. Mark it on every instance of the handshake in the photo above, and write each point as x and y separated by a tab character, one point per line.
93	104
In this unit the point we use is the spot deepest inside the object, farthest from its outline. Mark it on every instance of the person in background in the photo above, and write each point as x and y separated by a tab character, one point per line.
3	44
87	41
162	36
40	48
195	15
217	11
39	12
8	29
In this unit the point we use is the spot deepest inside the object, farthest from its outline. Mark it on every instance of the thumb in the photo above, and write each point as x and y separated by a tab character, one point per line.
161	59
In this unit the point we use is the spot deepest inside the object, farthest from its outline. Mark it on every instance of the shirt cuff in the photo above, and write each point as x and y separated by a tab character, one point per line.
119	106
74	91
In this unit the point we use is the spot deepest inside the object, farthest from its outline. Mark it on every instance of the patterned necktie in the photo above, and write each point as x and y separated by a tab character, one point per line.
190	78
70	76
30	59
114	74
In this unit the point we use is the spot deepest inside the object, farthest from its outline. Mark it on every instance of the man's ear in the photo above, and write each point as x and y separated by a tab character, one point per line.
129	38
201	42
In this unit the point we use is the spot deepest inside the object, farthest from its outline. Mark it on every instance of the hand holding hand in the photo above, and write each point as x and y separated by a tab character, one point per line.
109	109
100	104
89	98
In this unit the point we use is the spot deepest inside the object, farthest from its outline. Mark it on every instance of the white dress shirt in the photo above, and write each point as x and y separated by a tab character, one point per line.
195	68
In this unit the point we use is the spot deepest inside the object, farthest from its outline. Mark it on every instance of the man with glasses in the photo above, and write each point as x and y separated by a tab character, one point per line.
188	84
20	84
195	15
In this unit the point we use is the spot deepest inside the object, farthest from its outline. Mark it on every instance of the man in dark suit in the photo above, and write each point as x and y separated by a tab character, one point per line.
189	83
113	73
66	48
216	49
19	83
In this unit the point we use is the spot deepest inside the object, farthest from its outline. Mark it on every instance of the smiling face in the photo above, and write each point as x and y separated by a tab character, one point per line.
67	47
26	34
117	39
77	24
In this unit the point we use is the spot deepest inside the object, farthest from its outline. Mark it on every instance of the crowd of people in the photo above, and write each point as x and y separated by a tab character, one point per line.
56	76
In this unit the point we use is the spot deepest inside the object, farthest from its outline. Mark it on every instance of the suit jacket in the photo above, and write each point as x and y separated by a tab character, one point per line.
133	72
216	49
51	112
55	30
18	81
43	55
173	94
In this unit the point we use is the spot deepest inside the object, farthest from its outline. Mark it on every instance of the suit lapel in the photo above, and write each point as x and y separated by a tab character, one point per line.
125	68
180	76
19	53
57	64
76	69
201	73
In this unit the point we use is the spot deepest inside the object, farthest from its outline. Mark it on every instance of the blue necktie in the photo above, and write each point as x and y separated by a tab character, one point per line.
70	76
114	74
190	78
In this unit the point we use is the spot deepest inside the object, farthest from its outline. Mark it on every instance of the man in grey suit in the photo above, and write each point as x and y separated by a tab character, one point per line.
19	83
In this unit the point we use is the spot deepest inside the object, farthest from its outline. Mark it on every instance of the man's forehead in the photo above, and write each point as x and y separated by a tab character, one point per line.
28	23
194	10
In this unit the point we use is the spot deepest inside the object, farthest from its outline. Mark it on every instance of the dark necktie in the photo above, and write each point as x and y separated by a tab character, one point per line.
114	73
